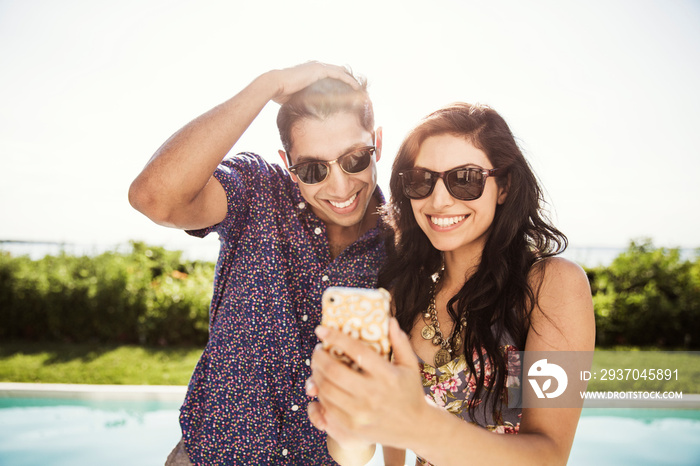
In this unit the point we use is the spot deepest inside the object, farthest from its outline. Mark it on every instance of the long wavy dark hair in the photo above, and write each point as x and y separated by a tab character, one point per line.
496	299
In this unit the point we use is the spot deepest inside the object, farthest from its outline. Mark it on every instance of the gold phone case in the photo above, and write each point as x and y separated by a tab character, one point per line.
361	313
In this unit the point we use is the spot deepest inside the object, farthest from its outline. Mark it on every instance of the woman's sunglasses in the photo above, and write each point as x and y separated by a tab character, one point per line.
315	171
463	183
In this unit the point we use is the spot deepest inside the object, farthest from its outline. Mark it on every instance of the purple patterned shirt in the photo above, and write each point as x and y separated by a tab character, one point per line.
246	402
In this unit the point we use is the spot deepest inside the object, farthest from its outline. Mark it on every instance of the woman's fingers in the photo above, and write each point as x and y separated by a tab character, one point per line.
345	393
311	388
374	404
361	353
316	415
333	378
401	345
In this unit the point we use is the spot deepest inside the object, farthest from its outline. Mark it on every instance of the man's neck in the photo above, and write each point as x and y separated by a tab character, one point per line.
340	237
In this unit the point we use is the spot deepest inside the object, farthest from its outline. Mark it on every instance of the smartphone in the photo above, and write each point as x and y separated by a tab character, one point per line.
362	313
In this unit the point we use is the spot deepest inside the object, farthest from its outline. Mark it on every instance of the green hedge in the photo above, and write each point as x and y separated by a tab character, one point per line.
146	296
647	297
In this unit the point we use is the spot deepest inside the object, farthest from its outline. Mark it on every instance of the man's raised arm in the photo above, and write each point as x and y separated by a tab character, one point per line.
176	187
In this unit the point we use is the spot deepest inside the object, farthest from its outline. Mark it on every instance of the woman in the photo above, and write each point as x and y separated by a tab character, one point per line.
473	278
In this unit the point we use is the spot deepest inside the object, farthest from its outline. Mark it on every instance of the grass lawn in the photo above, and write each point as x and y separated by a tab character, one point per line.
96	364
136	365
632	369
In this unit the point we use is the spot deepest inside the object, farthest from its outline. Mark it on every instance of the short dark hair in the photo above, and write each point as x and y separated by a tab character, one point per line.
321	99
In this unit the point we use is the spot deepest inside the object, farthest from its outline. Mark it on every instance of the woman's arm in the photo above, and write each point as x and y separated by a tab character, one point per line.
563	320
394	456
386	403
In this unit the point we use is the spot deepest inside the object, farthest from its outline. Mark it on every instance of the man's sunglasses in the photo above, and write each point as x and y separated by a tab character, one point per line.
463	183
315	171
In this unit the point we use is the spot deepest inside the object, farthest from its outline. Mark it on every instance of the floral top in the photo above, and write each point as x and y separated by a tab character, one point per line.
452	386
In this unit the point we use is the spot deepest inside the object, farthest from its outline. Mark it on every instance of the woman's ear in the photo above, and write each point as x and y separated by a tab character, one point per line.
503	191
378	142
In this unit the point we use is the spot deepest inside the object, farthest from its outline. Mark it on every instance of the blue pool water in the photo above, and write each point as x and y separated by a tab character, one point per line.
637	437
66	432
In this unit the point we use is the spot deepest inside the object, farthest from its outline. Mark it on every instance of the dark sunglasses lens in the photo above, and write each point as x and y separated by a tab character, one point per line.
465	184
356	161
417	184
312	173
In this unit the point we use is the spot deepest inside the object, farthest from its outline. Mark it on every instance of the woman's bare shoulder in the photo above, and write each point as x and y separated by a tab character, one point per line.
555	272
563	317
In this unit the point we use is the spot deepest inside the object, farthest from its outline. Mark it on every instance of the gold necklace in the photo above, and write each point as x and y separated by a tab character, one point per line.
431	330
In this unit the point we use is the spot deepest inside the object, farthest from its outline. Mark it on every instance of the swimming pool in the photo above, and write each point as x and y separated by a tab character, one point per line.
637	437
42	431
45	431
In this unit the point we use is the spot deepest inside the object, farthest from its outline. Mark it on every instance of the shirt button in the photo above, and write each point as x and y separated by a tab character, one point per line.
295	408
304	317
324	278
308	362
285	452
318	230
301	205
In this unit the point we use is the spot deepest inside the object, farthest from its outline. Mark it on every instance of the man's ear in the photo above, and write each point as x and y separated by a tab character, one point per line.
503	192
378	142
285	160
283	156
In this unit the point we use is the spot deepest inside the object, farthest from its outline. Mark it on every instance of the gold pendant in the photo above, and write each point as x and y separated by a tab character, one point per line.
442	357
428	332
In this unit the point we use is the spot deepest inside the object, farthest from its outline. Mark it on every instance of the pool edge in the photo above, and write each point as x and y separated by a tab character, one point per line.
93	392
689	401
177	393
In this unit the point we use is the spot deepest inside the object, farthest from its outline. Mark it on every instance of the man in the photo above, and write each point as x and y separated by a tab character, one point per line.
284	238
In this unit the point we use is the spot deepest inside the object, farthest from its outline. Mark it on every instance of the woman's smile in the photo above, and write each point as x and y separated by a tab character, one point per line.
445	223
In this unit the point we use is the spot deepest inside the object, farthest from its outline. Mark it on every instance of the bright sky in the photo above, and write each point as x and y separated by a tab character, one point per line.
602	95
